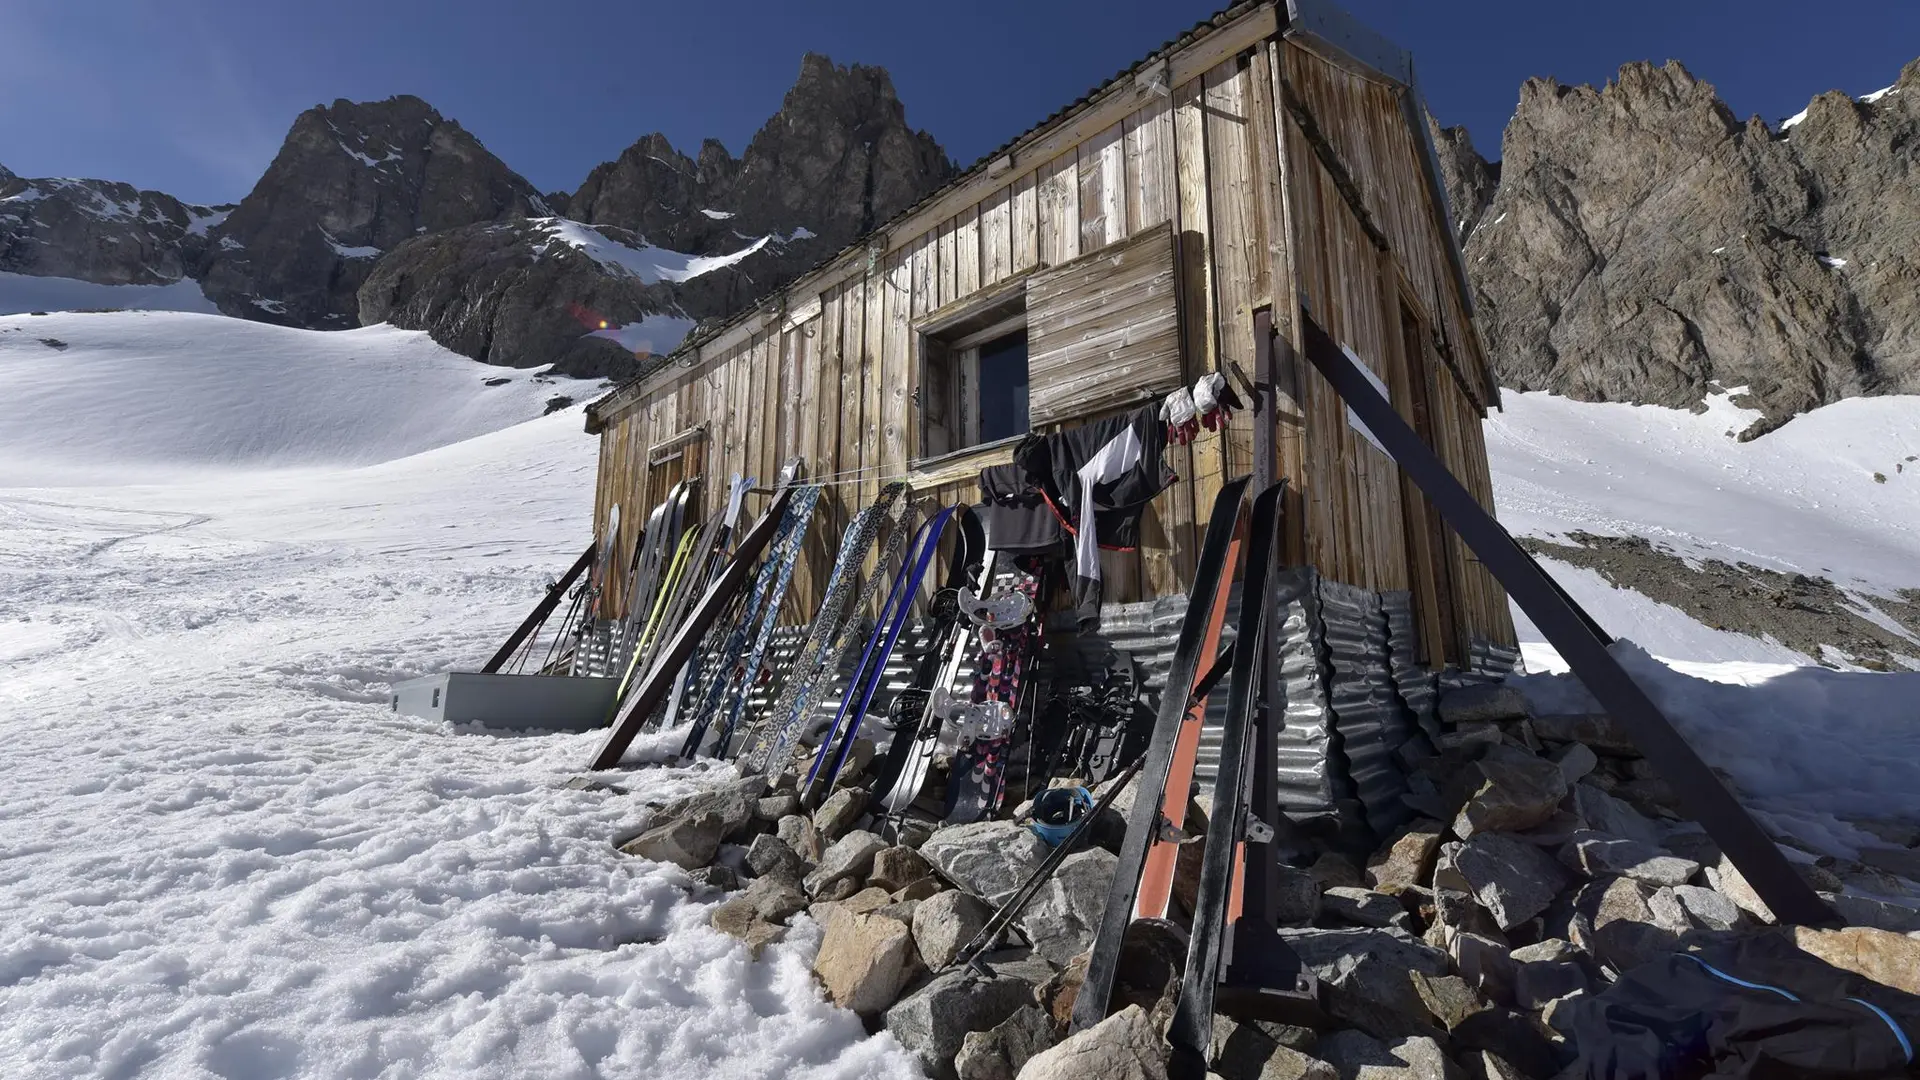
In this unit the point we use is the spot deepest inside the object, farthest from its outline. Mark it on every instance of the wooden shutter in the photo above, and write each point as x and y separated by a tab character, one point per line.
1103	330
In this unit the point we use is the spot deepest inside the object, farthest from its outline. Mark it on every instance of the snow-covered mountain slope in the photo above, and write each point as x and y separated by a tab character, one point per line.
21	293
124	396
1834	494
222	854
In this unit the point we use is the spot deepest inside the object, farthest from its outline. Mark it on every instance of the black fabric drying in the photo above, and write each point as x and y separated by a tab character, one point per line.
1018	519
1752	1007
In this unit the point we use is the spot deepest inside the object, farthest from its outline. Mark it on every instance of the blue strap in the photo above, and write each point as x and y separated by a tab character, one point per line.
1738	982
1906	1044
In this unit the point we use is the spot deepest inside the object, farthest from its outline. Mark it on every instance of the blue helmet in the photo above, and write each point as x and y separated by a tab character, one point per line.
1056	811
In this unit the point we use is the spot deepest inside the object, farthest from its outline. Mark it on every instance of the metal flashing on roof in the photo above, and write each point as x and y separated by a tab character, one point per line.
1347	40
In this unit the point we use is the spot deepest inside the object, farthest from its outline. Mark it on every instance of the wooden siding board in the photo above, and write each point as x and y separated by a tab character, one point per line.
1025	223
1058	199
996	237
1197	293
898	322
1103	332
1103	189
1239	255
966	252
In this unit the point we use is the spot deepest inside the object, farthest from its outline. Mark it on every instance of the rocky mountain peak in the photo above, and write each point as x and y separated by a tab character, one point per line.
102	231
838	159
1645	246
1469	179
351	181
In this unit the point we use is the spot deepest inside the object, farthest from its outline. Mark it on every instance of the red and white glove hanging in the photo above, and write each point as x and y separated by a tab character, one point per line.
1182	422
1214	401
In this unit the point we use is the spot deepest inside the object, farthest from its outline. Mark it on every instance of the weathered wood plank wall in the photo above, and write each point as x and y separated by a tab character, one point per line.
1257	216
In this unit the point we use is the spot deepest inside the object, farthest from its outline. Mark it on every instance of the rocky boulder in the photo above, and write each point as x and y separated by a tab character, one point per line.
934	1020
1064	914
989	858
1124	1046
863	961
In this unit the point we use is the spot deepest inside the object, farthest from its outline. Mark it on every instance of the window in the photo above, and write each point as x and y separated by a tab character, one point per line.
973	386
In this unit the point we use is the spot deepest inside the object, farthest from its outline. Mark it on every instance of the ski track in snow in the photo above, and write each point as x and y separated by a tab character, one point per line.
223	855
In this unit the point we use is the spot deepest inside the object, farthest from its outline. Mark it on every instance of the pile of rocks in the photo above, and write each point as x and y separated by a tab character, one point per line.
1546	860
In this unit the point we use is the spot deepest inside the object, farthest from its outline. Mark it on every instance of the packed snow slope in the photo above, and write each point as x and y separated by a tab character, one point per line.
125	396
1834	493
223	855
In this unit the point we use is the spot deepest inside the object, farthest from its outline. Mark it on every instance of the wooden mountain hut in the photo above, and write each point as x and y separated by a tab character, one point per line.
1270	161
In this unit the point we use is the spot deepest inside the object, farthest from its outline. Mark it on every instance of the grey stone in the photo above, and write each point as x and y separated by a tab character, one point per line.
769	856
839	812
686	842
1727	880
1604	813
1547	970
799	834
898	867
1575	760
1707	909
771	899
1064	914
715	877
1486	964
1449	998
1358	1056
838	890
933	1021
1512	879
1364	907
1509	789
1371	964
1668	913
1333	868
775	807
1124	1046
990	859
1408	858
1597	854
1692	844
1482	703
871	898
944	924
1263	1050
1613	922
1000	1053
923	889
863	961
1597	731
849	859
1872	912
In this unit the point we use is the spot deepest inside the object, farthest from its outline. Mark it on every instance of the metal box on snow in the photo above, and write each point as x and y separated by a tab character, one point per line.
509	702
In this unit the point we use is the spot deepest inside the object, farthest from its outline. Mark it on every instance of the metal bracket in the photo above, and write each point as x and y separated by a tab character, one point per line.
1258	832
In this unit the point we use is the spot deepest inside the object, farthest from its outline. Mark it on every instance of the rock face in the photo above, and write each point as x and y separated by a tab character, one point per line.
353	181
837	160
100	231
1645	245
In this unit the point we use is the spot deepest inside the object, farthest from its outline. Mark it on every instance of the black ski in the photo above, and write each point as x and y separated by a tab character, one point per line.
1232	821
653	689
1143	824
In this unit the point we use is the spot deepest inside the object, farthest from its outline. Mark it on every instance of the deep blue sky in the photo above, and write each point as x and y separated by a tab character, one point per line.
193	96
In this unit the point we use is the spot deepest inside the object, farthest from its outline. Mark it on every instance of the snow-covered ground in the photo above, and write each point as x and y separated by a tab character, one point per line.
1803	499
1808	749
221	853
146	395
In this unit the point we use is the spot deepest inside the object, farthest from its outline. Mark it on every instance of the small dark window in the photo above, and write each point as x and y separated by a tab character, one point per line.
973	380
1003	387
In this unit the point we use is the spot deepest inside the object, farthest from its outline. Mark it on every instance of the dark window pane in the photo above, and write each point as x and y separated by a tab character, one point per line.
1003	387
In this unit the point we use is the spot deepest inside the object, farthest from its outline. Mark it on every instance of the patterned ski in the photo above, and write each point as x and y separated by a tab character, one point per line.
787	557
985	727
845	640
772	738
853	704
746	628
